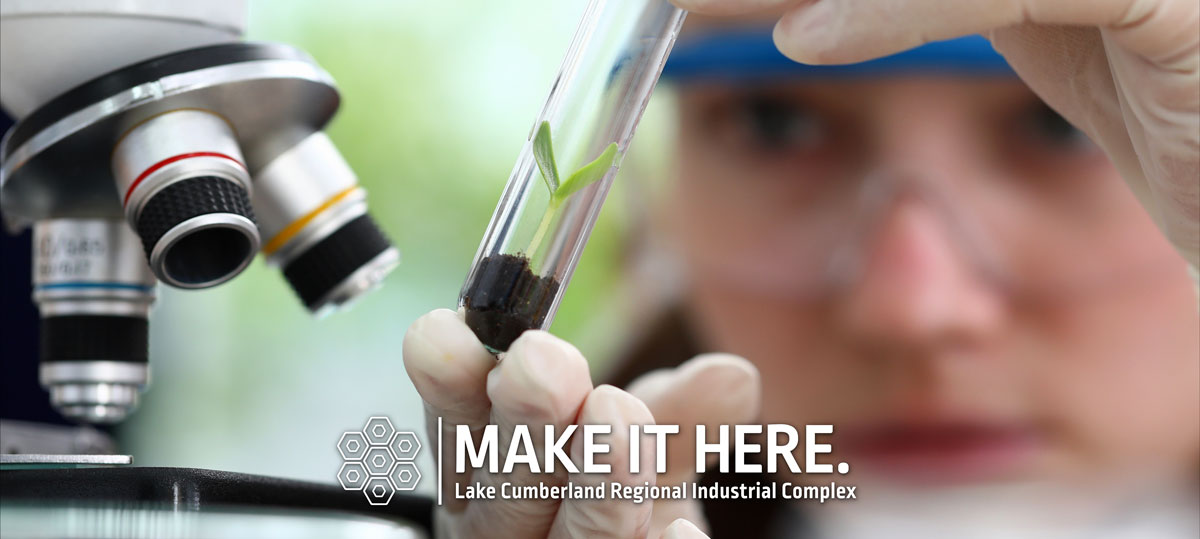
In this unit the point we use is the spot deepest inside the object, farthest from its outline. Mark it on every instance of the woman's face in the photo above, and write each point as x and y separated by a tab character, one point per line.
944	270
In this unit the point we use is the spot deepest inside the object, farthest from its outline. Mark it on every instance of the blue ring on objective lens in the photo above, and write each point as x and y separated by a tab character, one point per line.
101	285
751	54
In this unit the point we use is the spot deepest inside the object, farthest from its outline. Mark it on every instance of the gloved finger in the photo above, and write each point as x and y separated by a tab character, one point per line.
682	529
845	31
1142	114
668	512
610	517
710	389
449	368
542	380
729	7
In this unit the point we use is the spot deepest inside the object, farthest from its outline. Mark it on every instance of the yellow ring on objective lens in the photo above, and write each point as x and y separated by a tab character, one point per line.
296	226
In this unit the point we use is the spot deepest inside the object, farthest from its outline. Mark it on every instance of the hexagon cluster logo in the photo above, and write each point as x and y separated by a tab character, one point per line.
379	460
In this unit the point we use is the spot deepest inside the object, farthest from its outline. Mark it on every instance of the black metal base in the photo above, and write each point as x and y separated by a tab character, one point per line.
192	489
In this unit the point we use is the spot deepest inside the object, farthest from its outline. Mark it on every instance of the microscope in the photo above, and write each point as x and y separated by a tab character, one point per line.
154	147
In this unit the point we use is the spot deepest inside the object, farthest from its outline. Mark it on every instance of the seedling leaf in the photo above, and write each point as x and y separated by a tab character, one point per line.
589	173
543	153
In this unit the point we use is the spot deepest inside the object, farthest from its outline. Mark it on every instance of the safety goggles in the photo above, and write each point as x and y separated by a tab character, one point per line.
1042	215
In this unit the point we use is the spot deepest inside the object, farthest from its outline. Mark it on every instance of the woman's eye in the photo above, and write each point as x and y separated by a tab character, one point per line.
1049	127
773	124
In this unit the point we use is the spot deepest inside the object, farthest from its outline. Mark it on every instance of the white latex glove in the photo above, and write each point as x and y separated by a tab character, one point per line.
544	380
1126	72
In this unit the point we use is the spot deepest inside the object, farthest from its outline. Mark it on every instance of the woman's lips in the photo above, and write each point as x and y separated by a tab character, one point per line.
938	453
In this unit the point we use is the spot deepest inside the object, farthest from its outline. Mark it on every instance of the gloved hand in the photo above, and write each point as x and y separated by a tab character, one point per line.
543	380
1126	72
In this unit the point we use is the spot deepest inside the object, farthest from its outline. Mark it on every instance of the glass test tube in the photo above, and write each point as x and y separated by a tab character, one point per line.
537	234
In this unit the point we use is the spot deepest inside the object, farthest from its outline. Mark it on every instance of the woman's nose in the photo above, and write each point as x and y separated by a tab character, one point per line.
911	286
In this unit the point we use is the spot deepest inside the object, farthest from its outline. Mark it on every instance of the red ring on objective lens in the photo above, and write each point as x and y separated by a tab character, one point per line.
168	161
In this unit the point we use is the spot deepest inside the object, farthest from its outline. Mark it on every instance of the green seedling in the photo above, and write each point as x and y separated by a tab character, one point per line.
543	153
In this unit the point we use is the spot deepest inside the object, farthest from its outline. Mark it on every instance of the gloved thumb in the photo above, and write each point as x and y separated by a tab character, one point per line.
711	389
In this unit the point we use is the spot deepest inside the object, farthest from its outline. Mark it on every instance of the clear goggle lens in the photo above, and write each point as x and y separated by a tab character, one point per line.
804	237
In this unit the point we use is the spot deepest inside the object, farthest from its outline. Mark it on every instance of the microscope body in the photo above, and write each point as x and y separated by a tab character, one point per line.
153	145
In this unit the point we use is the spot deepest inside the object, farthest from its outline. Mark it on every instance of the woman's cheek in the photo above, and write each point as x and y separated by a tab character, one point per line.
1122	386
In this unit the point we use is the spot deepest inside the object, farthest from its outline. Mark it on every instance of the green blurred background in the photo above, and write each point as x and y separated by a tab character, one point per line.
437	99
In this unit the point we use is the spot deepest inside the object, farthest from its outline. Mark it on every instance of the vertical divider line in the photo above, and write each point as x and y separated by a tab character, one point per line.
439	462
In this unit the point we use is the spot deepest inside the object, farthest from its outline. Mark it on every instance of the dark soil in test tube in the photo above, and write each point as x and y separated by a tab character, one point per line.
505	298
